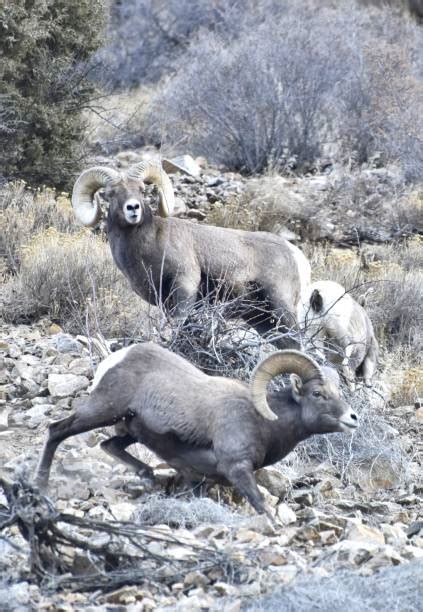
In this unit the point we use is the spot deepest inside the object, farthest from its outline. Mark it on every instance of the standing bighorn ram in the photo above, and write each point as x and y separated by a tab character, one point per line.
204	425
328	311
174	261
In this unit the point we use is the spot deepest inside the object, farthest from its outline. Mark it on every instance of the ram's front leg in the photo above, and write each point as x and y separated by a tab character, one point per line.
240	475
185	297
347	368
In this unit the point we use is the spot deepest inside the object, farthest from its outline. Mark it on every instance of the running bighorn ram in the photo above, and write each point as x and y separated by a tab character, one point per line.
204	426
174	262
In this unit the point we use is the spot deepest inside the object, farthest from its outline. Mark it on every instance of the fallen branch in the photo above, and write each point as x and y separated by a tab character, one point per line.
117	553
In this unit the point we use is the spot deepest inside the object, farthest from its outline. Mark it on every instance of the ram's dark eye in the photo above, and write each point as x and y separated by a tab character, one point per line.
317	394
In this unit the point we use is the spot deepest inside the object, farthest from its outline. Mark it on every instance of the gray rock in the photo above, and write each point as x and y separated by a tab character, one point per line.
63	385
180	207
216	181
37	415
30	359
23	370
14	352
81	366
196	214
64	343
16	596
285	515
122	511
274	481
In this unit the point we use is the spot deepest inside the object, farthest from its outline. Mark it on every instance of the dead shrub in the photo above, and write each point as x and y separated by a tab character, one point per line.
188	513
395	588
314	88
27	212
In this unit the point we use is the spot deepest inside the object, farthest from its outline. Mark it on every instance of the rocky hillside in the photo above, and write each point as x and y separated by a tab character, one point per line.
350	508
185	551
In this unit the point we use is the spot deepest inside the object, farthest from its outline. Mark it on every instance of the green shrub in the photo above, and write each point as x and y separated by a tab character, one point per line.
44	85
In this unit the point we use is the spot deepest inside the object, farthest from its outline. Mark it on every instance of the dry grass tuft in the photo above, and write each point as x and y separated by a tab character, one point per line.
187	513
373	457
72	279
392	588
27	212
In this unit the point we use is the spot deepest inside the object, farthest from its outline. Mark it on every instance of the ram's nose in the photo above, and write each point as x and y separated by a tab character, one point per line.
349	421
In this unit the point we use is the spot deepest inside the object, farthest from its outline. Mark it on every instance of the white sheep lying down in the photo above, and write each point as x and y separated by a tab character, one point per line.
327	311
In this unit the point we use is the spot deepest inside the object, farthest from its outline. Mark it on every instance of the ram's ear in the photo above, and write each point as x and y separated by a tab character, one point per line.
296	387
316	301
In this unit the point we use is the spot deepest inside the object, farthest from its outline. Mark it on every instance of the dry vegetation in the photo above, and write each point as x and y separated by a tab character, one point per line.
55	269
340	157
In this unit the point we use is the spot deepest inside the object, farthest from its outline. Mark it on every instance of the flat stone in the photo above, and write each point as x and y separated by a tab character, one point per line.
125	595
273	555
362	533
63	385
259	523
216	181
64	343
274	481
122	511
180	207
25	371
354	552
269	499
81	366
285	515
394	534
247	535
196	214
183	163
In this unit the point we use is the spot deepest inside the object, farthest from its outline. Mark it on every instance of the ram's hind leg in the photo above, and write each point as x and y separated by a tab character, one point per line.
90	414
116	448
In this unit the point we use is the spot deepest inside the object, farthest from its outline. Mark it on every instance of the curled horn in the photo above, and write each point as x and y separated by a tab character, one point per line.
280	362
87	210
152	172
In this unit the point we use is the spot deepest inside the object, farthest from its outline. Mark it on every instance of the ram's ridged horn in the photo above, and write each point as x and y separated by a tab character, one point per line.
152	172
280	362
86	209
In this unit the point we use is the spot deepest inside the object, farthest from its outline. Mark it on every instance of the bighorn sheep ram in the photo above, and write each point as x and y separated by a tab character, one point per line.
328	311
204	426
174	261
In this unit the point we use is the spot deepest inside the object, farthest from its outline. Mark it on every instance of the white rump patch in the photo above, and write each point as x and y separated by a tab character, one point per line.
303	267
107	364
